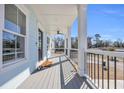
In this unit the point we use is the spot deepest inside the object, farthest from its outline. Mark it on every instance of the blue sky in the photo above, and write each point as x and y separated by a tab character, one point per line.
74	29
106	20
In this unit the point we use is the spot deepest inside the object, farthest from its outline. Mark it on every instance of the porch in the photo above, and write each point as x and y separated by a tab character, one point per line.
80	68
61	75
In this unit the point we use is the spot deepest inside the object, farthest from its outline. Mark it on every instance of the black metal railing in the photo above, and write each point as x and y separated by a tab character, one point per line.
106	71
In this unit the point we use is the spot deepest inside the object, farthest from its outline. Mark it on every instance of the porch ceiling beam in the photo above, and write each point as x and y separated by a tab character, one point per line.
56	15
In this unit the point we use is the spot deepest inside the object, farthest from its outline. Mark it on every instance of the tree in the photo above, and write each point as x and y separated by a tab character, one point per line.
89	42
107	43
118	43
123	44
97	39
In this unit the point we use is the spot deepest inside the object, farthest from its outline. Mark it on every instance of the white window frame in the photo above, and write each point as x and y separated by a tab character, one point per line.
12	64
1	36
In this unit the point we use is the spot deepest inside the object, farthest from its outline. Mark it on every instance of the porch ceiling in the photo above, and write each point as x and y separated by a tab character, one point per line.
55	17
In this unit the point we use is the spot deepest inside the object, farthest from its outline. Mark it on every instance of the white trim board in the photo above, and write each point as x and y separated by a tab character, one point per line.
1	36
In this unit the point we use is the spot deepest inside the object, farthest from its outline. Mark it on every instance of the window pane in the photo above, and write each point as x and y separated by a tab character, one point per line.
20	55
13	47
21	23
8	46
20	47
8	43
40	39
11	17
7	58
15	20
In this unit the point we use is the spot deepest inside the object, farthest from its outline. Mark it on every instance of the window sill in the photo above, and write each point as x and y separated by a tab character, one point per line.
12	65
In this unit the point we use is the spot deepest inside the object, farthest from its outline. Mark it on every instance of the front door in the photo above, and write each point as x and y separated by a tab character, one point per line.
40	45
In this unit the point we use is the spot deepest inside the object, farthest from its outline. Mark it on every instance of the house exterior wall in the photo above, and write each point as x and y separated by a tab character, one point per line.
15	74
33	40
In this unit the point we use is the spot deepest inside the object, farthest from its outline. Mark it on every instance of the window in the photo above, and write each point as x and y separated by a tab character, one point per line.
13	34
48	43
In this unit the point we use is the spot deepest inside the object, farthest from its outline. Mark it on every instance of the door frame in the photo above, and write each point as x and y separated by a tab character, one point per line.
40	56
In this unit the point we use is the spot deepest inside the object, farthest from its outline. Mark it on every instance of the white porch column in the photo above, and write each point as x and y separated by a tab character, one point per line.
69	41
82	39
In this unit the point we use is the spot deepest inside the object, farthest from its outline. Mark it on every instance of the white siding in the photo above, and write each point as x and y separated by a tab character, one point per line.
16	75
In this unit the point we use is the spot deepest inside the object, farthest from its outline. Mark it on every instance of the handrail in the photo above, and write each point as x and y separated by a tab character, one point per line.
71	61
57	48
74	49
100	62
107	53
65	48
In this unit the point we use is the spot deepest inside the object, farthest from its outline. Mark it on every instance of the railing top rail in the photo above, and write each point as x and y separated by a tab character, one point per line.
74	49
107	53
57	48
65	48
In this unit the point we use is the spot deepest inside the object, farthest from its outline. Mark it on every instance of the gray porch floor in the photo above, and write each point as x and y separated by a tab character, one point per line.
61	75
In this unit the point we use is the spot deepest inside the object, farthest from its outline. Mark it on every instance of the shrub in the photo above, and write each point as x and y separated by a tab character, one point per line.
111	49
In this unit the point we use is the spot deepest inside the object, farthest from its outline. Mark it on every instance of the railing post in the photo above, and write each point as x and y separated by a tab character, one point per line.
94	68
102	72
108	70
115	81
123	72
89	63
98	69
82	40
91	67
